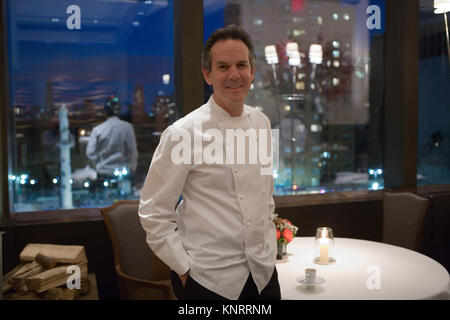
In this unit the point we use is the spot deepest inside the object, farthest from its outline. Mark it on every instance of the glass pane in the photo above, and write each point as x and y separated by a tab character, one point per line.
65	61
319	68
434	96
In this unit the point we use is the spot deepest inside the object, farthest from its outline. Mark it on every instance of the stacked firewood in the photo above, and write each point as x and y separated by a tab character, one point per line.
48	271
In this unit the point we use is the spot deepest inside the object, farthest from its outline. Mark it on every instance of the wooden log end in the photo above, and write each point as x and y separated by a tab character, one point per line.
44	261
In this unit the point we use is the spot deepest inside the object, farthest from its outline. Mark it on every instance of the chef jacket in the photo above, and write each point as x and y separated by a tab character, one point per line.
223	228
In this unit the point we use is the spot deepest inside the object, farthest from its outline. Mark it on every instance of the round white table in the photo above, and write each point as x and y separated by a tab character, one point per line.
364	270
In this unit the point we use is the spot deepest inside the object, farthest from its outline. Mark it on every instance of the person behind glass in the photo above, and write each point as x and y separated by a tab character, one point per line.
112	145
220	241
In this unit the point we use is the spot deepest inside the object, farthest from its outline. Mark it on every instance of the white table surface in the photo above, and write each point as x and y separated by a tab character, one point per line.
403	274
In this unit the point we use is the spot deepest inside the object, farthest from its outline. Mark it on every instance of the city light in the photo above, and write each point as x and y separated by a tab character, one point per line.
375	172
258	22
316	128
166	78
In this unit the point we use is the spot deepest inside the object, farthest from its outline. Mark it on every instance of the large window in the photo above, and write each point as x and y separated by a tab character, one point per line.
315	81
434	98
65	60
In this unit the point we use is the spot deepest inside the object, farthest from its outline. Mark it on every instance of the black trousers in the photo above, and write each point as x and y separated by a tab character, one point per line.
194	291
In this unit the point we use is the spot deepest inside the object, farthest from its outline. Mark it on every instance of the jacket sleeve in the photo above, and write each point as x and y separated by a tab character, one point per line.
132	149
162	188
91	149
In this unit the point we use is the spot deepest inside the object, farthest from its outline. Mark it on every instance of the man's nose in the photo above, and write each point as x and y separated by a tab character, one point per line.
234	73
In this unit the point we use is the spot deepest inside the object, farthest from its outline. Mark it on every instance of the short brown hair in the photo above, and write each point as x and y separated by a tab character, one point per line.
228	32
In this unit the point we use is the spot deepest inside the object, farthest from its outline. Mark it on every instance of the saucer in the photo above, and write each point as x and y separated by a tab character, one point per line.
319	280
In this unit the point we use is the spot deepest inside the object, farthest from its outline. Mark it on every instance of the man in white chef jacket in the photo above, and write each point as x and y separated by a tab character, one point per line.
220	241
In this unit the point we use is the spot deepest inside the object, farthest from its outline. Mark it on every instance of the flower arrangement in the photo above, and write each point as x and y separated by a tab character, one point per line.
286	231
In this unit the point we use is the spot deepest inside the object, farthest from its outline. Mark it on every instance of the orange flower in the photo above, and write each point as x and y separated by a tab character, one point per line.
287	234
278	234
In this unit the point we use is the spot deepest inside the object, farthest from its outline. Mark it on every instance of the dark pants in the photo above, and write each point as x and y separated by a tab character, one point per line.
194	291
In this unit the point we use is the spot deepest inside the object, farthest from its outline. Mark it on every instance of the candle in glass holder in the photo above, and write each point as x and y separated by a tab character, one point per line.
324	247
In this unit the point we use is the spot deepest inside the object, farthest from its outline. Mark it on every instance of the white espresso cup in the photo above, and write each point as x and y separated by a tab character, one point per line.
310	276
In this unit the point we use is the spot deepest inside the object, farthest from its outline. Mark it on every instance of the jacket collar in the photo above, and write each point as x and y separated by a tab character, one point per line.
221	114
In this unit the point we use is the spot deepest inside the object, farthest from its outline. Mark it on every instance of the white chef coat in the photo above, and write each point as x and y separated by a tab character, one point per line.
112	145
223	229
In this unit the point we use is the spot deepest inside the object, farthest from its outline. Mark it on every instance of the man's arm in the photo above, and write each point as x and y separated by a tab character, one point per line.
132	148
91	149
162	188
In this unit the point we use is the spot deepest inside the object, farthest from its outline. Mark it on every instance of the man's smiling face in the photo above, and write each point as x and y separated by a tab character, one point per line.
231	74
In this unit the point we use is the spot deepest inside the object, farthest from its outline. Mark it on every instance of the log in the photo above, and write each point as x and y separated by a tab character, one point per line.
60	294
15	279
53	278
20	269
44	261
59	253
85	286
6	287
18	281
10	274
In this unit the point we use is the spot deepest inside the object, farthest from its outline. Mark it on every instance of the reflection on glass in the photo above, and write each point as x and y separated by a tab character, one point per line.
313	79
64	61
434	95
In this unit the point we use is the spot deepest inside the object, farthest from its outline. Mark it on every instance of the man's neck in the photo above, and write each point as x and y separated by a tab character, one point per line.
233	110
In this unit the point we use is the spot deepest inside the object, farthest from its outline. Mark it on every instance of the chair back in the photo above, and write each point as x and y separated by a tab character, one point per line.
131	251
403	218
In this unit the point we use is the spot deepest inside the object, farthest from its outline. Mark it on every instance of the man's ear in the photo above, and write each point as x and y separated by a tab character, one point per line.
206	75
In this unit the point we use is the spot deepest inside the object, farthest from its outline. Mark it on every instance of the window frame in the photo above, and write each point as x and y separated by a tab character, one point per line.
400	82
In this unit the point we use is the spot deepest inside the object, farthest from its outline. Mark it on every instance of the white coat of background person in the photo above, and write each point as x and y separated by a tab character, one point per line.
112	144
